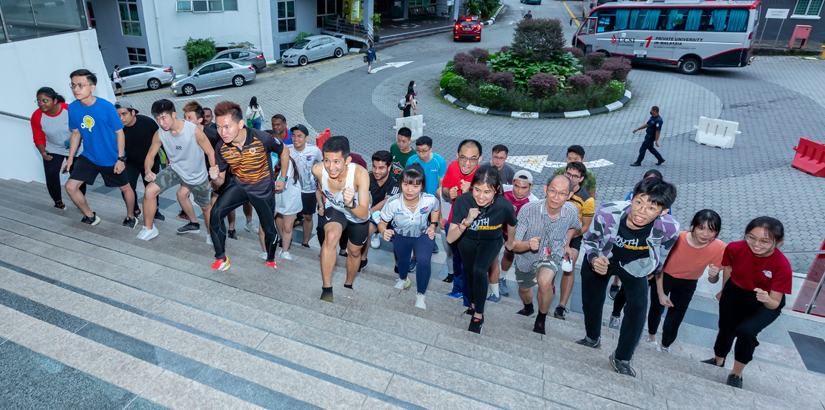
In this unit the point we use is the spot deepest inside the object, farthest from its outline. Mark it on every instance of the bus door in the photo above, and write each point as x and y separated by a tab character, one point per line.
585	38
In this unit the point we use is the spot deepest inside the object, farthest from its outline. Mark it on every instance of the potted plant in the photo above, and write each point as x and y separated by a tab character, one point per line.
376	26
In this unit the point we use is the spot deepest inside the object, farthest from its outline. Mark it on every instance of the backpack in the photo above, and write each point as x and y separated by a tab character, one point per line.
402	104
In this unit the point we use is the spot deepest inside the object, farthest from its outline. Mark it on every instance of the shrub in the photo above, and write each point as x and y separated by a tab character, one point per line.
517	100
504	79
446	80
505	49
456	86
600	77
449	67
619	67
489	95
614	91
543	85
595	58
475	72
538	39
244	45
577	52
580	82
481	54
619	60
463	58
198	50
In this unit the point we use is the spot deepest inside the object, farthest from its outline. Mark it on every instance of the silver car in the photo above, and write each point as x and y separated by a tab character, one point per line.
314	48
143	76
212	74
256	58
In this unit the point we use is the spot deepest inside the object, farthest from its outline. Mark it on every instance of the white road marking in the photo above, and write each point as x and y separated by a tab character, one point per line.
388	65
537	163
200	97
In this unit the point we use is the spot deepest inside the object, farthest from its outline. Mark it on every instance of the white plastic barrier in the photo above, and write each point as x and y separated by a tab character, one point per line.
716	133
415	123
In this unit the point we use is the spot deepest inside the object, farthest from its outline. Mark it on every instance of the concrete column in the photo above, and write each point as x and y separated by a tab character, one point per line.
369	9
406	5
456	5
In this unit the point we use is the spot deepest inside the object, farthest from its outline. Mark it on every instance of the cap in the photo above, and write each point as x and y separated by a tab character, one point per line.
125	103
524	175
300	127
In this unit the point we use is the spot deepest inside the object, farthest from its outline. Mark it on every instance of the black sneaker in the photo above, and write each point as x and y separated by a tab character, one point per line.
614	290
450	278
191	227
624	367
660	163
94	220
363	264
130	223
137	213
232	234
159	216
305	245
59	205
590	343
636	164
526	311
734	381
182	215
712	361
561	312
476	325
538	327
470	311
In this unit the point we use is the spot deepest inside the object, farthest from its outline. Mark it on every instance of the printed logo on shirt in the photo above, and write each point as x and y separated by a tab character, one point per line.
768	273
630	244
252	150
88	122
483	225
425	209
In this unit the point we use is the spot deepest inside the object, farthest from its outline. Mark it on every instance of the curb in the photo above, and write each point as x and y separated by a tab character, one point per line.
492	20
518	114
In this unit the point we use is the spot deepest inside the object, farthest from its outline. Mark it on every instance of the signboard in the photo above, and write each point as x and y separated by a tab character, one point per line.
778	14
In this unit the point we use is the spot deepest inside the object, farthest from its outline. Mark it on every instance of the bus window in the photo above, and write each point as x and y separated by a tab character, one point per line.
738	20
587	27
676	19
606	21
718	20
694	18
622	19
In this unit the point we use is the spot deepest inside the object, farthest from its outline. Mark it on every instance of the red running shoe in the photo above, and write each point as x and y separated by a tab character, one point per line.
221	264
272	264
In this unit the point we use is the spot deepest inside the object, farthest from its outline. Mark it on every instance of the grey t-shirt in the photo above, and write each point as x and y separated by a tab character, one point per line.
411	224
305	159
506	173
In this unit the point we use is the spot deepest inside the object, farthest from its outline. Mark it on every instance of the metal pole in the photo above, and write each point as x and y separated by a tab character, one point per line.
811	305
85	14
780	30
765	27
34	17
3	22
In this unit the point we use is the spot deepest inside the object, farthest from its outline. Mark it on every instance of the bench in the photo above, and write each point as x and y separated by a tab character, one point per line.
716	133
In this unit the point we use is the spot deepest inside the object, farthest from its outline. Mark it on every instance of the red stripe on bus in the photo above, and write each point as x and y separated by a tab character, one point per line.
725	52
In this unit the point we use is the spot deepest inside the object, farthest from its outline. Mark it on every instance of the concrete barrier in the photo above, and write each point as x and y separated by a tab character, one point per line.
716	133
414	122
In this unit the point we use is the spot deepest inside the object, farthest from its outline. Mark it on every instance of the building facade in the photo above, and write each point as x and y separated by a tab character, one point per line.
800	12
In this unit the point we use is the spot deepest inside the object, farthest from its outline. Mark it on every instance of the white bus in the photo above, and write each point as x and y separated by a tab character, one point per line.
686	35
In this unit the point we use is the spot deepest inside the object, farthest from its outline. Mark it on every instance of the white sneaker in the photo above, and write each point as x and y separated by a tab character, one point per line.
419	302
147	234
375	241
663	349
262	255
650	342
209	240
402	284
284	255
251	226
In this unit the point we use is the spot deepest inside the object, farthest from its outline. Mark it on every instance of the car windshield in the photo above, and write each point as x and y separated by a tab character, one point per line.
301	44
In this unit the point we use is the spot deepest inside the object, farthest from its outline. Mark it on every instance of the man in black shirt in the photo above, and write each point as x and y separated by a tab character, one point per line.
139	131
381	188
652	133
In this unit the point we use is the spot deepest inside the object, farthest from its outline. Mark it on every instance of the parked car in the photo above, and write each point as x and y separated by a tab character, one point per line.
467	27
314	48
256	58
143	76
212	74
536	2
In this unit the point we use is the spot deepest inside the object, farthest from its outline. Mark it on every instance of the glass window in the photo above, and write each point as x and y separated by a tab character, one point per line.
605	23
92	21
587	27
807	8
230	5
221	67
285	46
206	70
286	16
199	6
136	56
129	18
215	5
184	6
325	8
125	72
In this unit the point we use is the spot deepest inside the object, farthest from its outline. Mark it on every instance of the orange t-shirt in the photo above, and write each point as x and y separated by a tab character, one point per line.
687	262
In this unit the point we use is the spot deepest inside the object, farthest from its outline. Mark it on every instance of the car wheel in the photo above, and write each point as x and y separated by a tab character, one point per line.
303	61
339	53
689	66
188	89
238	81
153	84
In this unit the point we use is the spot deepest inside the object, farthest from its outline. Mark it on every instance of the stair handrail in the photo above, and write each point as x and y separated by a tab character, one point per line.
9	114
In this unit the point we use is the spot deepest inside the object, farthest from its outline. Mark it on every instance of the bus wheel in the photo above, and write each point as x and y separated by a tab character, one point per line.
689	66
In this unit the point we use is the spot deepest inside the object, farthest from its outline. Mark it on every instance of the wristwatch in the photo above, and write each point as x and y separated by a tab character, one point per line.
433	223
122	159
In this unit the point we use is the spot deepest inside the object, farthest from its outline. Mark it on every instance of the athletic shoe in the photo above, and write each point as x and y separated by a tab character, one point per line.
209	240
284	255
232	234
615	322
538	327
561	312
456	295
450	278
305	245
712	361
147	234
297	222
614	290
94	220
502	287
470	311
130	223
137	213
663	349
402	284
734	380
435	248
191	227
527	311
413	264
419	302
623	366
272	264
595	344
375	241
494	298
363	265
250	226
159	216
221	264
650	342
262	255
60	205
182	215
396	269
476	325
326	295
660	163
636	164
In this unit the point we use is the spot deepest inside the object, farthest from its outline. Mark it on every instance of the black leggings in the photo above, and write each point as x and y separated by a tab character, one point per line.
621	297
132	173
232	197
741	316
680	292
52	171
477	256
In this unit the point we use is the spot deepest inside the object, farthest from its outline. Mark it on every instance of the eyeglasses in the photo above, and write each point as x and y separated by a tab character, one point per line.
640	207
462	158
422	150
572	176
39	102
753	240
554	193
78	86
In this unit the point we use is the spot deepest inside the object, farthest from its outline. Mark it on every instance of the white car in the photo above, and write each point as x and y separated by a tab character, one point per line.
143	76
314	48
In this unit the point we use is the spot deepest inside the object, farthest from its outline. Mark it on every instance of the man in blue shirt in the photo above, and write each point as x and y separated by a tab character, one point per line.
654	129
95	121
434	169
283	132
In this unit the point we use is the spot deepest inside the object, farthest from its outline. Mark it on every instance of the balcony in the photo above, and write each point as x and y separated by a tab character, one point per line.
26	19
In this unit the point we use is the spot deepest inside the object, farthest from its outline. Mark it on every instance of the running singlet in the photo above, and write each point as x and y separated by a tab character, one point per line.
411	224
336	200
184	153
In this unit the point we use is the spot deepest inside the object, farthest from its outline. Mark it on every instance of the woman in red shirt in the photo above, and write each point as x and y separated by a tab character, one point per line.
757	276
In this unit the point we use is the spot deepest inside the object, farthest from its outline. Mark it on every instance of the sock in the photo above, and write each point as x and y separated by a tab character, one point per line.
528	307
495	289
347	286
329	289
540	317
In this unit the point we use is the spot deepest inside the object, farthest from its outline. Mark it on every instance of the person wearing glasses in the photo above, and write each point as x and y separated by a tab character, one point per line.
584	203
50	129
95	122
631	240
434	168
756	277
499	160
456	181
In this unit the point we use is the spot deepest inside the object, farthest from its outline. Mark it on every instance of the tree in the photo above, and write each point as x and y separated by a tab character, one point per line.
538	39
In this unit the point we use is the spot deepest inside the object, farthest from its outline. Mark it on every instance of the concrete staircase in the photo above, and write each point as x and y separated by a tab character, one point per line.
154	321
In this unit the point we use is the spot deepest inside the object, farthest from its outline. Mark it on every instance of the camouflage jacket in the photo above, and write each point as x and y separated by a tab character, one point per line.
601	237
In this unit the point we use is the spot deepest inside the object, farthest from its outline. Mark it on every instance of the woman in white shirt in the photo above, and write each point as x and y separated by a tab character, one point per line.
254	113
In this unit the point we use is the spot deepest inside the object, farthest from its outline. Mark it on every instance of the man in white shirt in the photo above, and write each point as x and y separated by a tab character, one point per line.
305	156
118	80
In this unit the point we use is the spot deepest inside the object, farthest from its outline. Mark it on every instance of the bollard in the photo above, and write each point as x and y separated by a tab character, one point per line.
822	57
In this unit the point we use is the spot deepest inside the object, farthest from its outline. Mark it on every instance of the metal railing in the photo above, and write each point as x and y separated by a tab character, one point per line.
8	114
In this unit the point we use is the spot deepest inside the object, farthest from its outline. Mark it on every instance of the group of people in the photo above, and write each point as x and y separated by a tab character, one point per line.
285	180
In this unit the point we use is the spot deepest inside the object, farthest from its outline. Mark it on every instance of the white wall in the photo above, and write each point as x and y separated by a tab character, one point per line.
306	13
167	29
113	42
27	66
